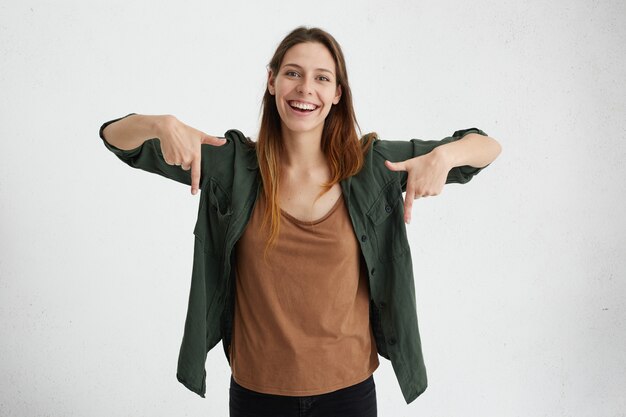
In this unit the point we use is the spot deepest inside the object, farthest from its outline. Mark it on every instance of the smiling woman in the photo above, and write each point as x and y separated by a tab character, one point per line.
302	266
305	88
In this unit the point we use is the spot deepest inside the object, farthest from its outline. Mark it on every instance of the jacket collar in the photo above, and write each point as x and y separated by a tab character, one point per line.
252	162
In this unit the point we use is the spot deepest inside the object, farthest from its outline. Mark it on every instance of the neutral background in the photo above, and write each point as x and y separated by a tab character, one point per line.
519	274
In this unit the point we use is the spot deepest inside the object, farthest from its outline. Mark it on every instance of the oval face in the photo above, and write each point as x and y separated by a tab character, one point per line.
305	87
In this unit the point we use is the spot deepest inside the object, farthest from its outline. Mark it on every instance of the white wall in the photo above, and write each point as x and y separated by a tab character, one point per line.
519	274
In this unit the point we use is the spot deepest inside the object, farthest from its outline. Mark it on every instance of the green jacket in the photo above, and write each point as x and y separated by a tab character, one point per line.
230	182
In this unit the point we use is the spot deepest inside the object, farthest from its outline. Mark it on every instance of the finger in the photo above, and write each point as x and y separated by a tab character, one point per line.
408	205
212	140
166	158
395	166
195	175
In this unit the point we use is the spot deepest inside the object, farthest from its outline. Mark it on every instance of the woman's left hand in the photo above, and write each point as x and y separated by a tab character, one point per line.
427	175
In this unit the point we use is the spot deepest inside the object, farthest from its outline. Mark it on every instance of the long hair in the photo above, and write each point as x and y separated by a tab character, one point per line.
340	142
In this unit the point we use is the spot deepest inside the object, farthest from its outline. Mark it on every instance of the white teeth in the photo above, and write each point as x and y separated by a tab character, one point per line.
303	106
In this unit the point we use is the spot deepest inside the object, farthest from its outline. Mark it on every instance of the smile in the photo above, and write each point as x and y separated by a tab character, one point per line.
301	106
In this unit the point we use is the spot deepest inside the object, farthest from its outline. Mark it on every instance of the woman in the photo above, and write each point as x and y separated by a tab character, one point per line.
302	325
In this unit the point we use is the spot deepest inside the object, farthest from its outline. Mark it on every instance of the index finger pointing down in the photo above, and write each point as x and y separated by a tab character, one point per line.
195	175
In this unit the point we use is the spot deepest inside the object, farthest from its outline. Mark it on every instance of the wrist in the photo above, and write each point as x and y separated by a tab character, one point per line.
444	156
160	123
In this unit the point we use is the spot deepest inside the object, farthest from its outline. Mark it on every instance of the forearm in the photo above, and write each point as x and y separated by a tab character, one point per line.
131	131
472	149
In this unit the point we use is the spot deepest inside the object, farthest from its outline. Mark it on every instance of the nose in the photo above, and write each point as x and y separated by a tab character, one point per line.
305	86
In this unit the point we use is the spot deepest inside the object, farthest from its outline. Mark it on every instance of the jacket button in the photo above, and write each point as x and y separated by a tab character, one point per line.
363	238
373	271
388	208
392	341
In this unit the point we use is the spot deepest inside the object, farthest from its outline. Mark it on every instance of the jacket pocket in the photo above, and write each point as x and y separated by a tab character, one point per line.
387	220
214	214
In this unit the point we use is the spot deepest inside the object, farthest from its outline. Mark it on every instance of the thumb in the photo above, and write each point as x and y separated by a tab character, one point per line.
395	166
212	140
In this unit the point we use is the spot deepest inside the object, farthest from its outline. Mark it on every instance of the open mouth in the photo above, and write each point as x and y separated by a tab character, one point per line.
302	107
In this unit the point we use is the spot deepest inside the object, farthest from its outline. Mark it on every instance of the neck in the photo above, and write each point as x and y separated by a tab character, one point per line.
303	151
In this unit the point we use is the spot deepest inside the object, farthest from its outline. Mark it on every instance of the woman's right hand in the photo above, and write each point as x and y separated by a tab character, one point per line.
181	145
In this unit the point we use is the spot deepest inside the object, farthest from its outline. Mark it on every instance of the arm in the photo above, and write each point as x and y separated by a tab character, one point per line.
454	159
473	150
131	131
161	145
402	150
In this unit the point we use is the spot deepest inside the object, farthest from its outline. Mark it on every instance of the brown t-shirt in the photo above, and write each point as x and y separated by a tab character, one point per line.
301	324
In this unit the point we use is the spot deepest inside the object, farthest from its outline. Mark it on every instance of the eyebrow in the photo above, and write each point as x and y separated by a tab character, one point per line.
317	69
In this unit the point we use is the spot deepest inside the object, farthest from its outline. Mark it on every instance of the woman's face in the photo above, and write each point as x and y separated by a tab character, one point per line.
305	87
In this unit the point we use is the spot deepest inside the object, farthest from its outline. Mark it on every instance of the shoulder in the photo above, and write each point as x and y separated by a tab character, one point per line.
369	142
243	150
237	149
239	139
375	152
374	148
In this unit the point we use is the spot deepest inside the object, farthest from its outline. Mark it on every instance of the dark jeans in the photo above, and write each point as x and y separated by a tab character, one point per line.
356	400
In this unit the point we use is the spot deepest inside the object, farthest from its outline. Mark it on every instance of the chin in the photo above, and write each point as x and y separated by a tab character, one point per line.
302	126
299	128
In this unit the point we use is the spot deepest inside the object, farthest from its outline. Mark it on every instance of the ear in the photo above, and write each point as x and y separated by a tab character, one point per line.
337	95
270	82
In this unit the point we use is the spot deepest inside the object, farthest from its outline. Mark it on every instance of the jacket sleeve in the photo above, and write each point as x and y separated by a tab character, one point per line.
398	150
149	157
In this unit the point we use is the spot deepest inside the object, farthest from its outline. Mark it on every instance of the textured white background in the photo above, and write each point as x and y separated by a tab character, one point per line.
519	274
